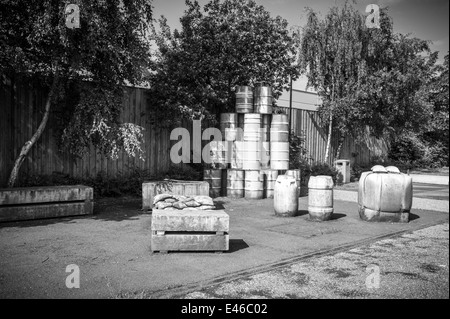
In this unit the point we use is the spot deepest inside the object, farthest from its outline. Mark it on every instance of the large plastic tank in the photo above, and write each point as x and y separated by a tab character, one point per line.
385	194
296	173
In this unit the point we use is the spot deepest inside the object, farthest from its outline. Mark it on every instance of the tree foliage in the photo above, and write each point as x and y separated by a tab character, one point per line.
109	50
367	77
436	132
334	51
226	44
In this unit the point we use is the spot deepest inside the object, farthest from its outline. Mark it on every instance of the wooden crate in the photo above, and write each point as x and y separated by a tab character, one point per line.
194	230
173	187
31	203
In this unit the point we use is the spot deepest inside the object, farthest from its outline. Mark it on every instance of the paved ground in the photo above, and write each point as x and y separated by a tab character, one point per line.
413	265
431	191
112	249
428	191
430	179
443	171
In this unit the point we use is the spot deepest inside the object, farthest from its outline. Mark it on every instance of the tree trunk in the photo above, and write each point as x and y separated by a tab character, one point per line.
330	129
29	144
341	143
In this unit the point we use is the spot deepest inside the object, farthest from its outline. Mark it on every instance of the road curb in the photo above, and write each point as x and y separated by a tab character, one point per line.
418	203
430	179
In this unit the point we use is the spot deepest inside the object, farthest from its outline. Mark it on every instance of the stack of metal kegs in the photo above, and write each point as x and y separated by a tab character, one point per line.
256	144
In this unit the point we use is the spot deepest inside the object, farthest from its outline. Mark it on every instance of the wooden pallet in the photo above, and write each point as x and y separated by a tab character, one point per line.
31	203
174	230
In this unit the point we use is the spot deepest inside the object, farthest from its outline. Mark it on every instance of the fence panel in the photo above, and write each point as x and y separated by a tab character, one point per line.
21	110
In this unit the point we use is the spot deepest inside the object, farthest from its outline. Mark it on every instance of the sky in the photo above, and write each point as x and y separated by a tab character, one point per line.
425	19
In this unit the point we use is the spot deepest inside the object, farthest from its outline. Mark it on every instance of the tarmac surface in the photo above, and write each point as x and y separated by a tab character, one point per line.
426	196
420	190
112	250
431	191
430	179
412	266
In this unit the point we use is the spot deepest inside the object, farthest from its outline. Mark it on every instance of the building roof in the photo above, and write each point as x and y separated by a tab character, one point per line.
302	100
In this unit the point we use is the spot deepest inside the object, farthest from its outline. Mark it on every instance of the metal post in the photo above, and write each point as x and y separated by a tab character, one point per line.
290	112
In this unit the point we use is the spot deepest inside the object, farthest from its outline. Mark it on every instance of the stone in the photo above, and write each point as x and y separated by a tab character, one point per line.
192	203
206	207
161	197
190	208
180	205
181	198
170	200
204	200
163	205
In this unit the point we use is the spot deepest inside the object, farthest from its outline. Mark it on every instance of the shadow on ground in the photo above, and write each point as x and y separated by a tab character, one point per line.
105	209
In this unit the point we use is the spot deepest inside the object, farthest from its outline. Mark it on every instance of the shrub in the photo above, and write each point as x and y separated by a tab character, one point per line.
278	110
323	169
297	151
318	169
305	171
356	171
120	185
434	156
410	151
186	172
407	149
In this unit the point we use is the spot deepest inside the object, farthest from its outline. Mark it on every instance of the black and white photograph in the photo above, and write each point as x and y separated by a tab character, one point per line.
224	157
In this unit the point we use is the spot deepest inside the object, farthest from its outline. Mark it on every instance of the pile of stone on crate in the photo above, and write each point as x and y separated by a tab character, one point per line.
179	202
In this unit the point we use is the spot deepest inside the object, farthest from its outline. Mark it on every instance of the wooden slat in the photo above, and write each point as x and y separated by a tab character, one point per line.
153	152
21	101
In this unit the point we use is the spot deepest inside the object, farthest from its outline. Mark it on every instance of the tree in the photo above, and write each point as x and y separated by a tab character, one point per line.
436	133
110	48
394	95
228	43
367	77
333	54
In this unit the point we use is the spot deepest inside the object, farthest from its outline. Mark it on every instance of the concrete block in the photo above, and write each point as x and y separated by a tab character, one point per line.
190	221
31	203
190	230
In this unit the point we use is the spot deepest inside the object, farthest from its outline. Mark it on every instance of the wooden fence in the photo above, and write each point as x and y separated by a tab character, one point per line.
307	123
21	110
